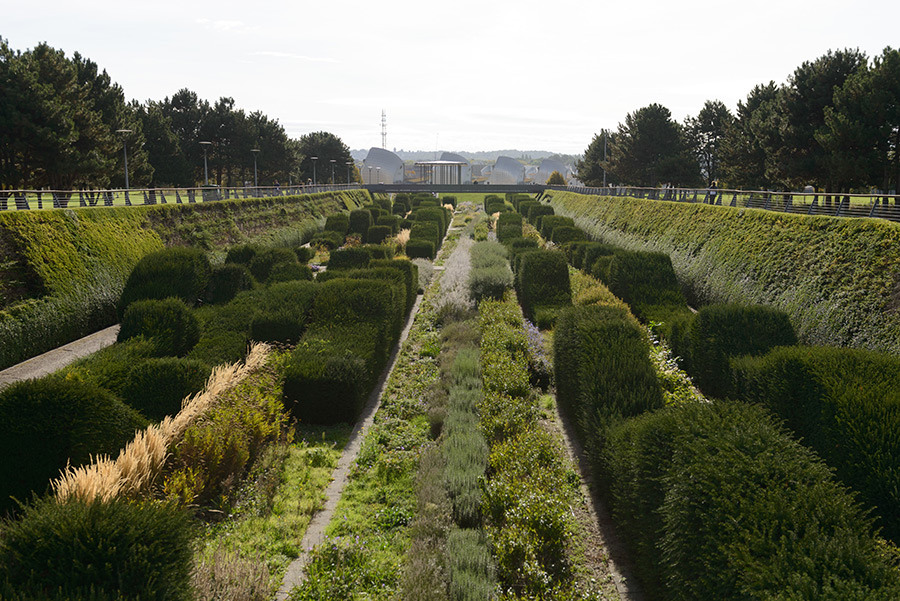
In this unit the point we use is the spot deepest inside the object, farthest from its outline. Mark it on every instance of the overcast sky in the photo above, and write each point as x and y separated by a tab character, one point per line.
460	75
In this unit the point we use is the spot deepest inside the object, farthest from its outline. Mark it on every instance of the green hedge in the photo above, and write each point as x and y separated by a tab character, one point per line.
717	502
563	234
602	369
169	323
719	333
836	278
360	222
157	387
47	423
537	211
349	258
437	215
338	222
644	280
378	234
99	550
845	405
226	281
542	281
551	222
73	264
410	273
328	240
392	221
178	272
289	272
420	249
394	277
266	258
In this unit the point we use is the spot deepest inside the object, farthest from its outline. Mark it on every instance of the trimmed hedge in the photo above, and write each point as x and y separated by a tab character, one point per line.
724	254
391	221
427	230
845	405
420	249
721	332
410	273
349	258
360	222
98	550
241	254
169	323
437	215
226	281
564	234
378	234
394	277
178	272
542	282
305	254
328	240
717	502
603	371
280	312
289	272
537	211
47	423
552	222
338	222
261	265
646	281
156	387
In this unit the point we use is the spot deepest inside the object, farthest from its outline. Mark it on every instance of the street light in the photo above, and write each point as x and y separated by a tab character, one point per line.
125	150
377	175
332	161
255	180
314	159
205	168
370	174
348	171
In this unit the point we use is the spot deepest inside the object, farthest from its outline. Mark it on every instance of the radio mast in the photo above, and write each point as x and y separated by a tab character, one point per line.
383	130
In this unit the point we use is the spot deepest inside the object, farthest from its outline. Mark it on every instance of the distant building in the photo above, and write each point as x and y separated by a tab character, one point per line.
507	171
382	167
548	166
458	158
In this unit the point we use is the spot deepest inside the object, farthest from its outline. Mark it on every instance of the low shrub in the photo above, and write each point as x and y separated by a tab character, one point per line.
328	240
156	387
564	235
378	234
261	265
472	570
489	282
360	222
226	281
109	367
420	249
536	212
426	230
289	272
845	405
602	369
349	258
488	254
338	222
509	231
719	333
305	254
171	325
647	282
717	502
379	251
177	272
49	423
241	254
101	550
392	221
542	279
410	274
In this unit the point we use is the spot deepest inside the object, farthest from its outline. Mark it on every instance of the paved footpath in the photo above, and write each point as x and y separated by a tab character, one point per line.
58	358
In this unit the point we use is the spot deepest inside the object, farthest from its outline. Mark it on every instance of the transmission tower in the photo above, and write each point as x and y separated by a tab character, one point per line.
383	130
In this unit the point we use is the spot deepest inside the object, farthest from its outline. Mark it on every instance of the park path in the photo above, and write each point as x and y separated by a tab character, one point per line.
315	532
58	358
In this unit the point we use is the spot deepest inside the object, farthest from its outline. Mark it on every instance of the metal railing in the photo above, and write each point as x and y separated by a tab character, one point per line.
878	206
62	199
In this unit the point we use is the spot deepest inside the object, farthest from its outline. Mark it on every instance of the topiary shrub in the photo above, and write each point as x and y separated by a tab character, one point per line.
426	230
49	422
410	274
226	281
575	252
420	249
173	272
349	258
289	272
435	214
553	221
537	211
360	222
99	550
392	221
507	232
169	323
338	222
563	234
379	251
449	200
346	302
721	332
327	240
157	387
647	282
394	277
401	207
378	234
845	405
241	254
542	279
525	205
717	502
280	325
261	265
489	282
305	254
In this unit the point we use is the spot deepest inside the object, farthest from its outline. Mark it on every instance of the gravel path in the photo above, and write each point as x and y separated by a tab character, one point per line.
315	532
58	358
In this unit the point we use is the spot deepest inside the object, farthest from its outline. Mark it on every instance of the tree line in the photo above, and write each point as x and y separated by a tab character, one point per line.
834	125
64	124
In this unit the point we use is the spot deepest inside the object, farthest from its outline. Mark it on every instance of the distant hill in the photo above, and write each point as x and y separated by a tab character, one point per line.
527	156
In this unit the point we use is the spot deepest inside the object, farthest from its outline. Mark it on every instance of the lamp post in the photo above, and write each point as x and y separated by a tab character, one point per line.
255	179
378	175
205	167
348	171
604	158
314	159
125	150
332	161
370	174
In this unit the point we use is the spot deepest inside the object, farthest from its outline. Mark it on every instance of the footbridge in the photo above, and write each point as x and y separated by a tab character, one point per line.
457	188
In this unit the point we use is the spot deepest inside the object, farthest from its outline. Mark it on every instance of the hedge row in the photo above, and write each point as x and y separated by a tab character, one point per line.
429	225
845	405
65	270
835	278
542	285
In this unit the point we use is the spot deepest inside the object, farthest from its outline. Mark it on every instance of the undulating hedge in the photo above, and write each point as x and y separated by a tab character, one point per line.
178	272
716	501
563	234
338	222
845	405
542	285
72	265
835	277
156	387
353	257
644	280
289	271
48	423
169	323
226	281
410	273
551	222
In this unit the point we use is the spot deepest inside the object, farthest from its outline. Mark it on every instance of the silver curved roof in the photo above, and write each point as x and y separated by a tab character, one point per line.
506	171
391	165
